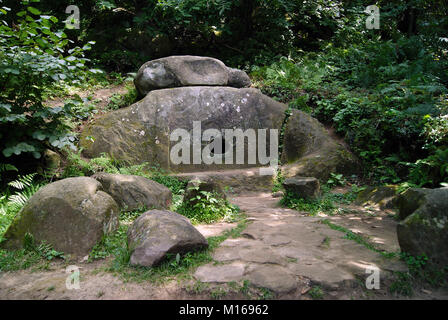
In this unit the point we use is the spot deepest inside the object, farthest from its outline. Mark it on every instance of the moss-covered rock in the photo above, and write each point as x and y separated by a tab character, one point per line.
424	230
134	192
384	197
71	214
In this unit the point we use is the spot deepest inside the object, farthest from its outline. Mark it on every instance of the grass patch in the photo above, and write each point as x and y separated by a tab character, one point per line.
31	255
327	203
316	293
350	235
420	274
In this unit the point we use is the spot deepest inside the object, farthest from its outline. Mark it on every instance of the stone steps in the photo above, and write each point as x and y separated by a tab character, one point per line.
235	182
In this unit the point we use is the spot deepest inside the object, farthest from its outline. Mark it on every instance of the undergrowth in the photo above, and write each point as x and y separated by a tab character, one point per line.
420	274
208	207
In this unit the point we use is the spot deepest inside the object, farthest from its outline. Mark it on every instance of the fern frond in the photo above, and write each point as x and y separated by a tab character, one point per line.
23	181
18	199
7	167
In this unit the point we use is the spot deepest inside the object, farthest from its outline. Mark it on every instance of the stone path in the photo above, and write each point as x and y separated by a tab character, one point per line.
286	251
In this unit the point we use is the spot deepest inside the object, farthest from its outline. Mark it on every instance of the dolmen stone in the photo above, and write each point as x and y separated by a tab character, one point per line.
183	71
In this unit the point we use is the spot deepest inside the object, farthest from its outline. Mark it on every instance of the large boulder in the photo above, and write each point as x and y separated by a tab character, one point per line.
309	150
157	233
424	229
134	192
141	132
71	214
182	71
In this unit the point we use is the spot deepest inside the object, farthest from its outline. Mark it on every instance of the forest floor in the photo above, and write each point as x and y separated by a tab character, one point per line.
281	254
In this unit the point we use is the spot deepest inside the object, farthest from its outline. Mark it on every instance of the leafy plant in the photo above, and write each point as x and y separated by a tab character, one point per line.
208	207
33	56
311	206
316	293
12	201
31	254
118	100
336	180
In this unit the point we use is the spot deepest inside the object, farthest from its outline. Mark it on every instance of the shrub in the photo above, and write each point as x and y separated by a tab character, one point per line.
208	207
34	56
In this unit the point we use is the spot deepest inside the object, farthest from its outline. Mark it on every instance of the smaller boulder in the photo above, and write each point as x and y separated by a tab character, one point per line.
303	187
157	233
134	192
424	230
238	78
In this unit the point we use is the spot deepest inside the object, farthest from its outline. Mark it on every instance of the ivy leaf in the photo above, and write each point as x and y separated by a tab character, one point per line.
34	11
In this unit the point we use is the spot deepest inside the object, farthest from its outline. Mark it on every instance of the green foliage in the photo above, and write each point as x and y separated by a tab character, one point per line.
118	100
316	293
278	181
33	56
419	272
402	284
286	79
5	167
32	254
336	179
15	197
386	98
112	244
17	259
310	206
176	185
78	166
431	170
208	207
